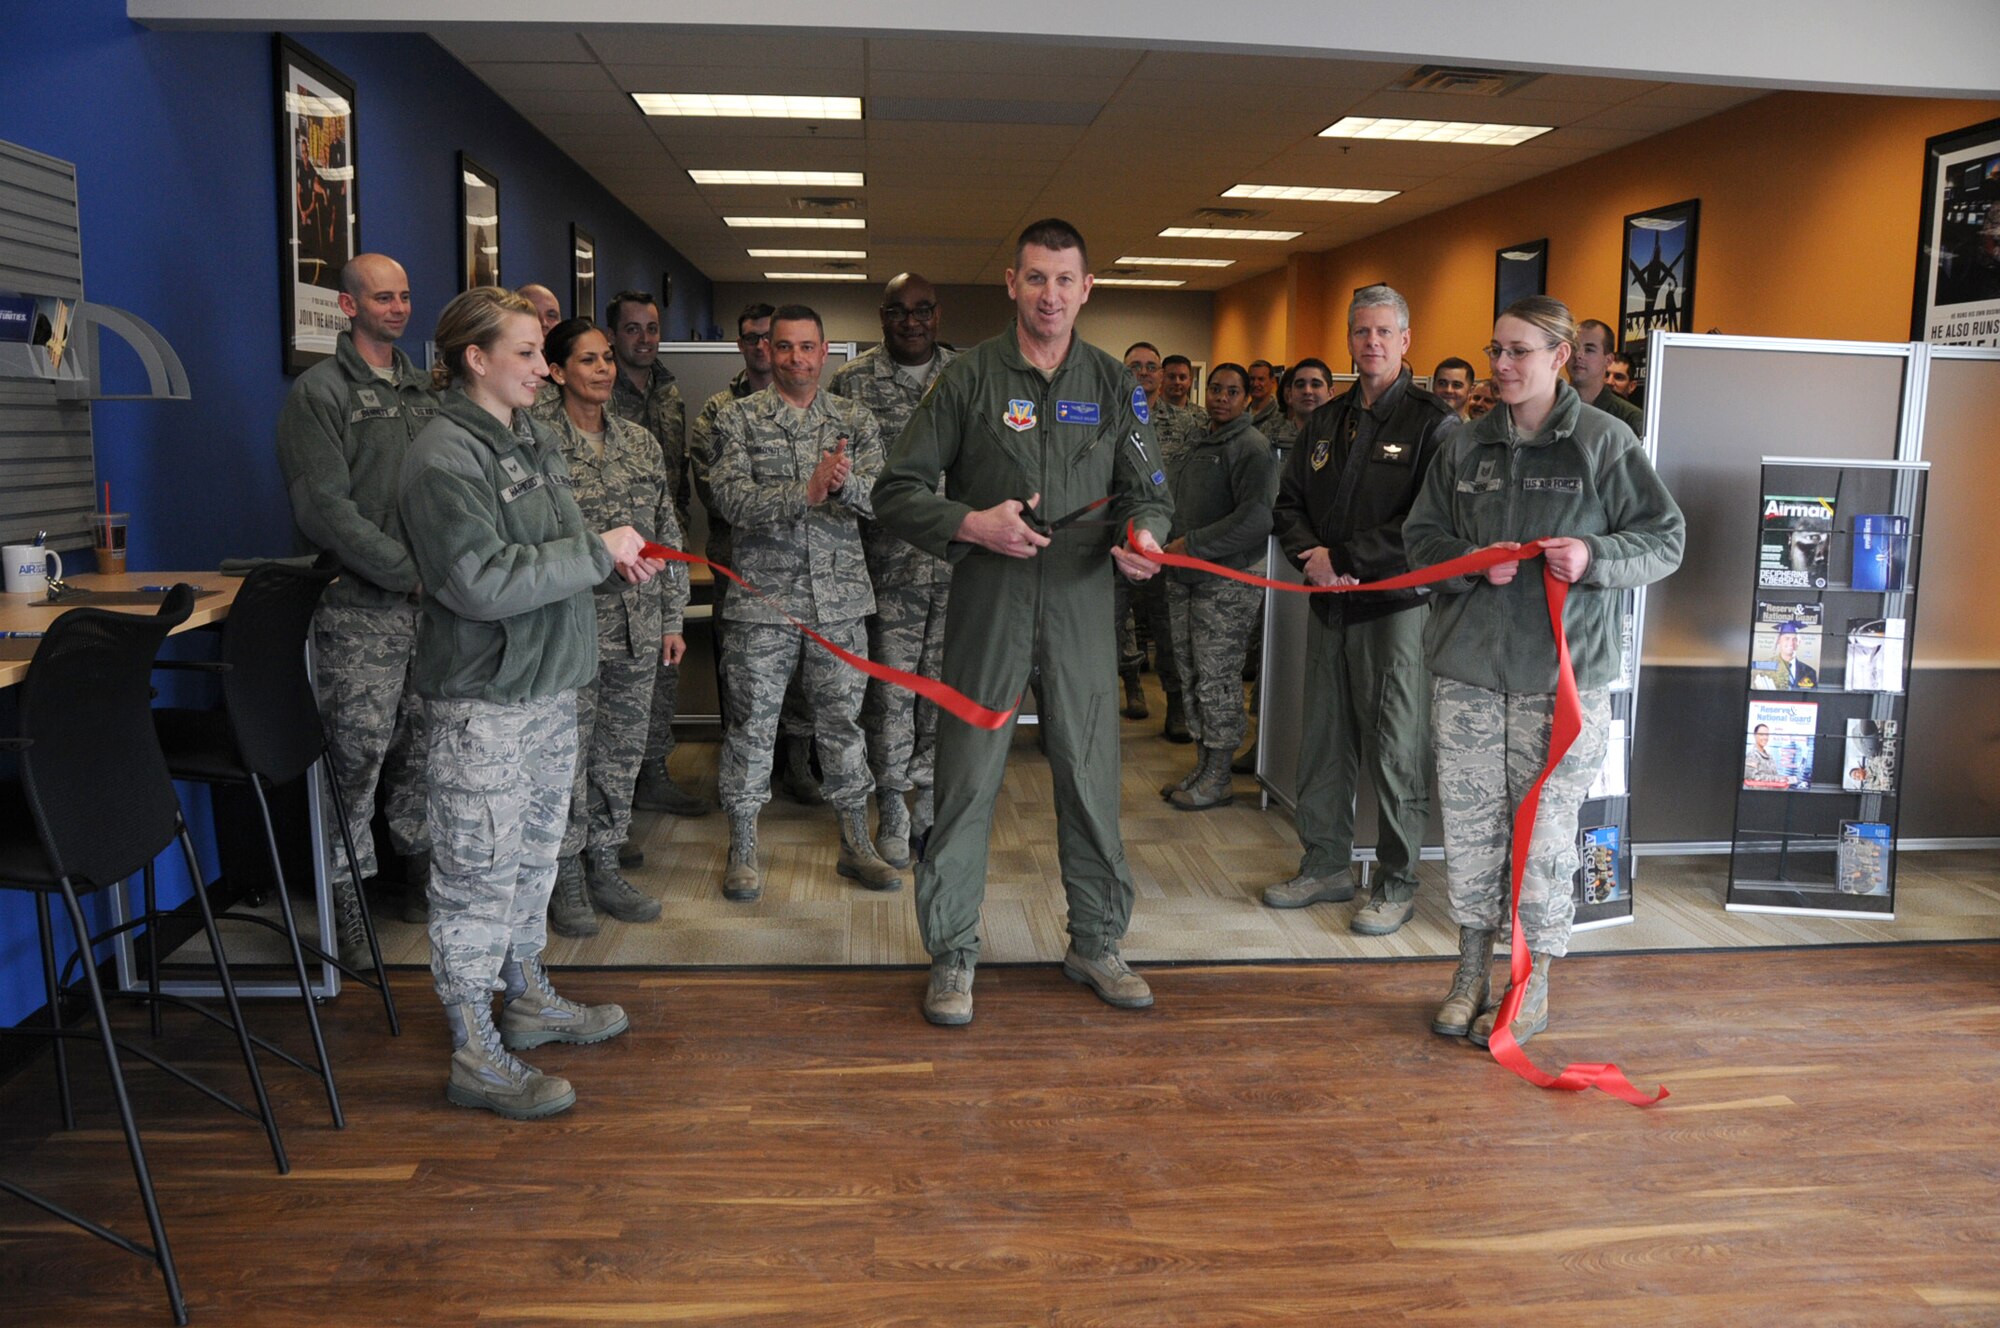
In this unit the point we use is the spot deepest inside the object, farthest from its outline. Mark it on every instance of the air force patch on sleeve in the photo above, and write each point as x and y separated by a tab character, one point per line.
1139	406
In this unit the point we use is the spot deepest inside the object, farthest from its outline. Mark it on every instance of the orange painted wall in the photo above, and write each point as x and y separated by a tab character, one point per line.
1251	319
1808	229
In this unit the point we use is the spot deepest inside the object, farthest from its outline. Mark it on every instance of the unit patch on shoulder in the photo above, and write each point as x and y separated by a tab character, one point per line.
1322	450
1139	406
1020	416
1077	412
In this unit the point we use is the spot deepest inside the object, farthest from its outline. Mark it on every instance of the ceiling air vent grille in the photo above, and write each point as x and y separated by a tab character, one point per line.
1463	82
1221	214
826	204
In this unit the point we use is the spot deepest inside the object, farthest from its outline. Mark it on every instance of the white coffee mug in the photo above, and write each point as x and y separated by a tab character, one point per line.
28	568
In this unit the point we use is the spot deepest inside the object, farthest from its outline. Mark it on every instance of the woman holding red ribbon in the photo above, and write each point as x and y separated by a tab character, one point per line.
507	635
1541	466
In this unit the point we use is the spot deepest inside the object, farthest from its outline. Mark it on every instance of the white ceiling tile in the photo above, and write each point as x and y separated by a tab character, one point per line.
639	45
474	44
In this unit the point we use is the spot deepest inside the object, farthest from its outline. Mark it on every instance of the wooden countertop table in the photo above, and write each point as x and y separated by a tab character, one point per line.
22	613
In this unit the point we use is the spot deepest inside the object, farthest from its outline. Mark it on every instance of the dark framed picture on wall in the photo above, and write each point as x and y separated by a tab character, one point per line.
479	225
1656	284
582	273
1519	270
666	298
1958	241
319	218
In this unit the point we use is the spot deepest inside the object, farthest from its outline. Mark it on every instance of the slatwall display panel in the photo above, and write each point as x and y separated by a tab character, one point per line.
45	443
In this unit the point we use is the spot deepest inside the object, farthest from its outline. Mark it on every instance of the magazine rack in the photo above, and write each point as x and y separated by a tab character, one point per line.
1604	868
1832	614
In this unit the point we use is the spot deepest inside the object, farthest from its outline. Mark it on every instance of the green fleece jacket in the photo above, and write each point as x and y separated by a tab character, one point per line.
342	436
1224	484
1583	475
507	562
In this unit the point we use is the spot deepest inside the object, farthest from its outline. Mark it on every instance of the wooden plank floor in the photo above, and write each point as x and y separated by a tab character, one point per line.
1268	1145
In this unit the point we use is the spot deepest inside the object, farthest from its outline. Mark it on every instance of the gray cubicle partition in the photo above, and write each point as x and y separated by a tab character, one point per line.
1952	770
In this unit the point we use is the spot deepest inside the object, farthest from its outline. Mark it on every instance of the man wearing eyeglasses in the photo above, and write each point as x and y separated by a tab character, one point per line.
1347	486
906	630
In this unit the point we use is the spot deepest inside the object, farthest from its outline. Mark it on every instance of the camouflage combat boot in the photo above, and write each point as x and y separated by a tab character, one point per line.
795	776
657	792
485	1074
1469	984
1211	787
857	856
739	879
569	907
1532	1017
614	894
1135	696
631	855
892	827
535	1014
351	933
415	903
1187	780
922	817
1176	729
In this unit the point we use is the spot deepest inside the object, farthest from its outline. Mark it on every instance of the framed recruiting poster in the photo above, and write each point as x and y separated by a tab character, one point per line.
582	273
1656	285
319	220
1519	270
1958	243
479	225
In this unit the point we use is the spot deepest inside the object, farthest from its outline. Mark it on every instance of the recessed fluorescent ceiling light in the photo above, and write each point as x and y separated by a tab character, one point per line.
799	223
808	253
753	106
811	179
1135	281
1178	262
815	276
1433	131
1224	233
1299	193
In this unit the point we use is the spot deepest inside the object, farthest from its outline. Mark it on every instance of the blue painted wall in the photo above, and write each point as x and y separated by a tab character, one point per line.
173	135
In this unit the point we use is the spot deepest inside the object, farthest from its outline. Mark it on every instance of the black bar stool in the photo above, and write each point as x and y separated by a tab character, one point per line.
268	733
95	806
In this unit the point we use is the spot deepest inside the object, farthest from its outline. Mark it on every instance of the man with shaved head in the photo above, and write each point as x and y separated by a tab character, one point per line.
341	439
911	586
547	307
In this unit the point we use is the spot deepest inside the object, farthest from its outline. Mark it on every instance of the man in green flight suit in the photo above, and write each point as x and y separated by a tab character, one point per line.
1028	429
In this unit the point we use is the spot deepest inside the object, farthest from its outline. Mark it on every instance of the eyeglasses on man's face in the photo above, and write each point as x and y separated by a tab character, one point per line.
913	313
753	338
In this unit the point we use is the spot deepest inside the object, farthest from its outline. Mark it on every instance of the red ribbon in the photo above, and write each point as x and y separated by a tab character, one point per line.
1567	724
948	699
